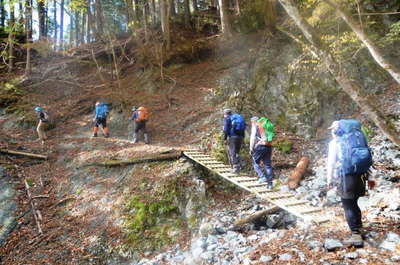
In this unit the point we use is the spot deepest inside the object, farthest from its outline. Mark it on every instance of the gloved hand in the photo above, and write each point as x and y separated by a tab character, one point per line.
251	152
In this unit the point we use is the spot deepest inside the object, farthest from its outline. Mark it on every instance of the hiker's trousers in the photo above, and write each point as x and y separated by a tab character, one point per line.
140	126
40	130
262	154
234	145
352	213
101	121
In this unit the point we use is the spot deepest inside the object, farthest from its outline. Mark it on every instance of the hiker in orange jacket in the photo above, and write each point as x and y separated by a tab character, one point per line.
140	116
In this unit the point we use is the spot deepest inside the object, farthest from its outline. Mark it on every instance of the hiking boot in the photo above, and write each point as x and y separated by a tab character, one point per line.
354	240
107	135
262	180
269	186
94	135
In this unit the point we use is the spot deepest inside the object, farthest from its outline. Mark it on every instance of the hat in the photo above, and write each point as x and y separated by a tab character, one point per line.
334	125
227	111
254	118
38	109
134	108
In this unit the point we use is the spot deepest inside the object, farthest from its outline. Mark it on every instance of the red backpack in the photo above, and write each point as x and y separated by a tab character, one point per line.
143	114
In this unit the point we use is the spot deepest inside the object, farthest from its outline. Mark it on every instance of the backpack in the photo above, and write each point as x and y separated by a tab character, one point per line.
46	116
238	124
355	156
266	128
143	114
102	110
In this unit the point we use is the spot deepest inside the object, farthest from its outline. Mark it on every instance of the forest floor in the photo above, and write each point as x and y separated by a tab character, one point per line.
180	116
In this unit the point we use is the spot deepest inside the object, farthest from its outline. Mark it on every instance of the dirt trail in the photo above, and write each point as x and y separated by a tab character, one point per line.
175	123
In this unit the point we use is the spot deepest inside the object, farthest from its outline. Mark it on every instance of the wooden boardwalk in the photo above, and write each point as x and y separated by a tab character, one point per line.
284	200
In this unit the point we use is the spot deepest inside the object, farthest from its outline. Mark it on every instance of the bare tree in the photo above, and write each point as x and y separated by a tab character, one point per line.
3	13
225	22
62	25
237	7
99	19
270	15
153	12
89	21
165	13
187	13
351	87
11	40
42	19
55	23
373	49
195	6
28	29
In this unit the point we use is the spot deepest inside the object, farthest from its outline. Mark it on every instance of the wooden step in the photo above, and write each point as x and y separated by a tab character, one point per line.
252	184
245	179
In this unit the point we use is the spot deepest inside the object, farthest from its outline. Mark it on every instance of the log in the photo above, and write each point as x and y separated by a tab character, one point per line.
297	175
11	152
254	217
139	160
36	213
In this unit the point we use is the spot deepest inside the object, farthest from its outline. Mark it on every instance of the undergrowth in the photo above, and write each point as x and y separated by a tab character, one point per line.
153	218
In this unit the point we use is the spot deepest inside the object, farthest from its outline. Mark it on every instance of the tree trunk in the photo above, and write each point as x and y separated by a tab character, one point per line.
83	26
77	29
11	40
195	6
165	12
42	18
153	12
129	14
71	30
62	25
137	11
99	20
173	9
55	24
187	13
237	7
145	12
177	5
373	49
3	13
89	21
20	13
46	20
225	23
28	18
351	87
270	15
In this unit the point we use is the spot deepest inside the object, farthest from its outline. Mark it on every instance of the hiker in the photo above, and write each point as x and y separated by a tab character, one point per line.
234	127
262	134
43	119
349	160
100	118
140	116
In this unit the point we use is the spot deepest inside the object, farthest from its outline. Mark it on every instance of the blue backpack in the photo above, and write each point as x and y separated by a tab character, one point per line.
355	156
238	124
102	110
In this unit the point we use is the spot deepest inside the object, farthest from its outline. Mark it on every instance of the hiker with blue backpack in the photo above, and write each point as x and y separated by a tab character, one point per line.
100	118
349	161
262	134
234	129
43	118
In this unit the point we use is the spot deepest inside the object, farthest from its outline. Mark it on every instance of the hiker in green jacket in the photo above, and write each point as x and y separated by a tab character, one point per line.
262	133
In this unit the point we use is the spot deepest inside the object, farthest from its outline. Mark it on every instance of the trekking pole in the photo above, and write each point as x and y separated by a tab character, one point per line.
229	157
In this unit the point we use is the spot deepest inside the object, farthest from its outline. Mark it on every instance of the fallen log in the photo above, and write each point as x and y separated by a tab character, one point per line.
297	175
139	160
11	152
256	216
36	213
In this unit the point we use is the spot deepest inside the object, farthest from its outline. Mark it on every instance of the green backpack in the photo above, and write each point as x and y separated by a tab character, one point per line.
266	127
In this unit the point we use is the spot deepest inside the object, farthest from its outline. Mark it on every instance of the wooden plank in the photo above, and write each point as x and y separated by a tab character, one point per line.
253	184
279	196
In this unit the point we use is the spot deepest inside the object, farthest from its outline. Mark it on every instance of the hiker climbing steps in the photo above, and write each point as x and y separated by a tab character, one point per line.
286	201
